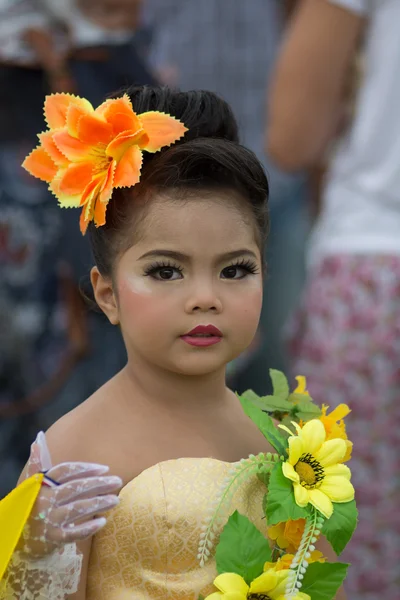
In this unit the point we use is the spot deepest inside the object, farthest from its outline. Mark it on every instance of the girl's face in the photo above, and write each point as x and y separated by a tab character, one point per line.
188	294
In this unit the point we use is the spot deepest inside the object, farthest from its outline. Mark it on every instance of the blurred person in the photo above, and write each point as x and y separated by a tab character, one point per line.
230	48
41	259
346	335
37	350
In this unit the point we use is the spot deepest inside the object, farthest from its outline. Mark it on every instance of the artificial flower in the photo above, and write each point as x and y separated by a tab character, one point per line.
287	534
335	426
87	152
314	465
271	583
286	560
301	386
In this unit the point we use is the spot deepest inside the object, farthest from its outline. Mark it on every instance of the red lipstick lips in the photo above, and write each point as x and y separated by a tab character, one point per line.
202	336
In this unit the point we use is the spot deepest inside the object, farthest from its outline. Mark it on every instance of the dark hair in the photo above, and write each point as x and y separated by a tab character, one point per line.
207	158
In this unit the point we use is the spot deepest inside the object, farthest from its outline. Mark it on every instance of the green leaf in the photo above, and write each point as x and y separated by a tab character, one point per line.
268	403
201	597
339	528
306	410
242	549
274	404
281	505
279	384
322	580
266	425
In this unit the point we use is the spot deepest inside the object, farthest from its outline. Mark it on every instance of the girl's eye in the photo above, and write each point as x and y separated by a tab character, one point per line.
239	270
164	272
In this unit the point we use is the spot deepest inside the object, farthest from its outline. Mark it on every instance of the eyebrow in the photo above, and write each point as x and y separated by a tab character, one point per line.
185	257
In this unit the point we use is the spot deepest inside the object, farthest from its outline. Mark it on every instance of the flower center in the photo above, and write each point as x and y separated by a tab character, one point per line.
258	597
309	470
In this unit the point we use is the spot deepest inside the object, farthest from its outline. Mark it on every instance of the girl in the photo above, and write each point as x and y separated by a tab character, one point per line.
179	270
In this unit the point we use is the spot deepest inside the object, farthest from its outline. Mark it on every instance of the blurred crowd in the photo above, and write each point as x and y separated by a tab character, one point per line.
313	86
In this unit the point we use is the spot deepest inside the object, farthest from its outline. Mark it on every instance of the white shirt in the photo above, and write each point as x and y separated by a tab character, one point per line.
361	203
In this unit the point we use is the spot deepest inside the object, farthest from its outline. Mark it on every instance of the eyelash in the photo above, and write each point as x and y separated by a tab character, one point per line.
246	264
157	266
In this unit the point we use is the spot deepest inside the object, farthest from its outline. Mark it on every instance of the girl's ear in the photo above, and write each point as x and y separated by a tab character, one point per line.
104	294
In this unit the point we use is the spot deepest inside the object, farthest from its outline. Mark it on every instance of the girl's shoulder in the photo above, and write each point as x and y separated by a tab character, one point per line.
96	431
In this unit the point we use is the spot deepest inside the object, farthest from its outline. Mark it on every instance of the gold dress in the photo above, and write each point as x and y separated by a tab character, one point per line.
148	549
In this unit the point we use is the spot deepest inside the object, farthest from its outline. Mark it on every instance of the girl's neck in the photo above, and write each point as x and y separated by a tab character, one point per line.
167	389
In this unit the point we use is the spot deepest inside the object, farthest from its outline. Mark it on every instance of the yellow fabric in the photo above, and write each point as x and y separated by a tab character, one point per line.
14	513
148	549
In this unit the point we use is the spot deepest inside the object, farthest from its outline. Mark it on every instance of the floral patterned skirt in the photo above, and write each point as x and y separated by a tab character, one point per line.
345	338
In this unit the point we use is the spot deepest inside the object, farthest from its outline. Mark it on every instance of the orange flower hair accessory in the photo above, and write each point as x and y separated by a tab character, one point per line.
86	153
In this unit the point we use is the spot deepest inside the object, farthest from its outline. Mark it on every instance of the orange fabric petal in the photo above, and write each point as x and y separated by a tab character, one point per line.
64	200
163	130
73	149
100	213
119	113
56	107
128	169
94	131
75	179
39	164
91	190
117	148
74	113
47	142
108	184
83	221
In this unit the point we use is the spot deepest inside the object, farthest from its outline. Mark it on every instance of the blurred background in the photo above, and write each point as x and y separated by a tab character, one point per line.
302	108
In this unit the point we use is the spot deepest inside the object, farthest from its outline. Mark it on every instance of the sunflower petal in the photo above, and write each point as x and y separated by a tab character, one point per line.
301	495
280	586
119	145
75	179
289	472
128	169
338	470
163	130
331	452
349	449
340	412
118	112
264	583
56	108
93	131
231	582
47	142
321	502
313	435
73	149
301	385
295	449
337	488
39	164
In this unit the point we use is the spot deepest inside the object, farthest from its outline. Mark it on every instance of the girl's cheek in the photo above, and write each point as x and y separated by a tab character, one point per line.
140	300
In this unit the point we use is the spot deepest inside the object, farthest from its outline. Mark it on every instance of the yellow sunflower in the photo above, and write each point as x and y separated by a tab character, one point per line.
315	467
271	583
335	426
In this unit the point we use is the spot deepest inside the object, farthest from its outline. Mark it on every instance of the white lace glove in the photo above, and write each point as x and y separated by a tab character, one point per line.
46	564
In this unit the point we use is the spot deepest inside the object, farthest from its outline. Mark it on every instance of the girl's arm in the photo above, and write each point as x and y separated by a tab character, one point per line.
306	98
